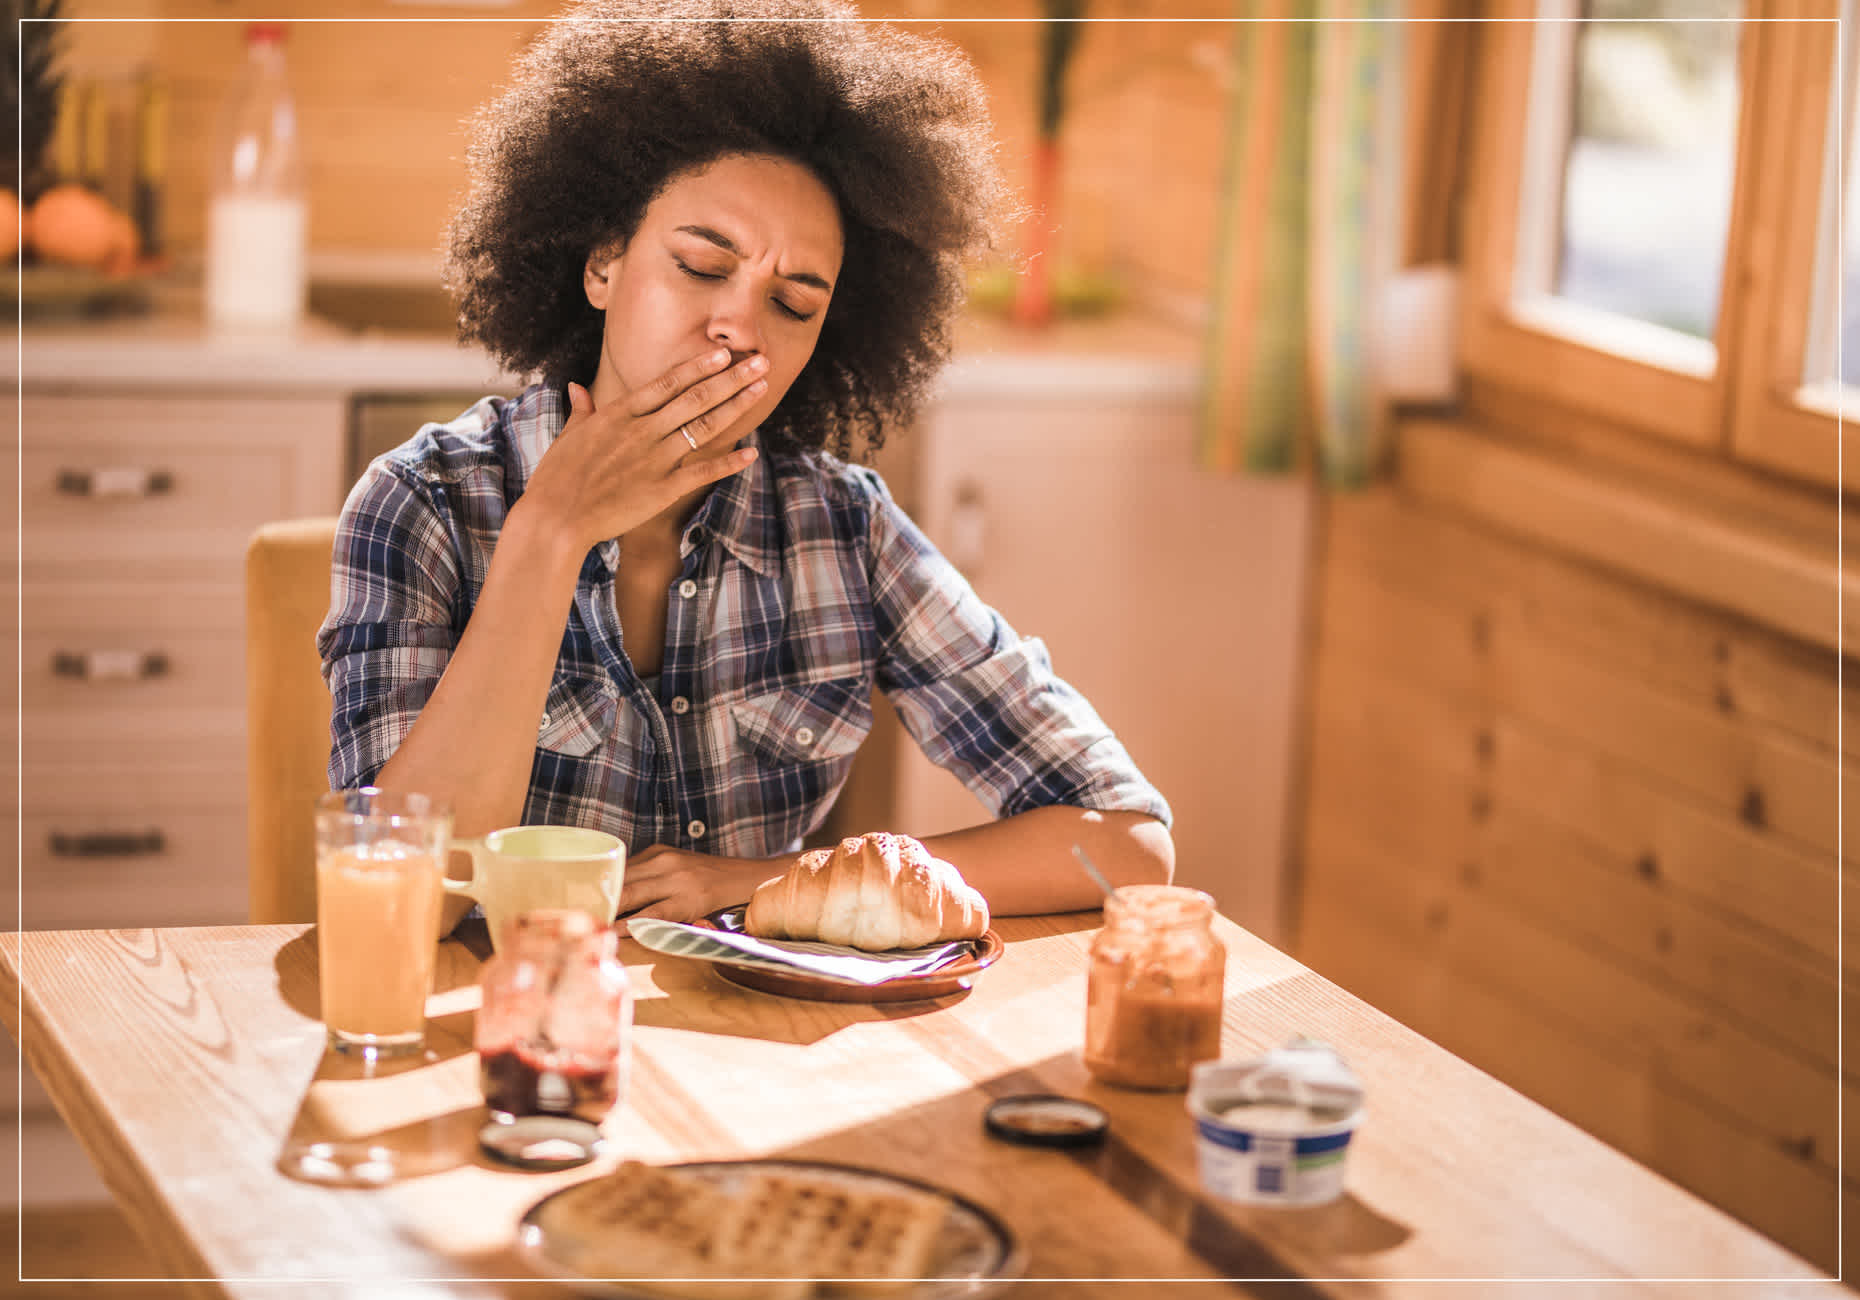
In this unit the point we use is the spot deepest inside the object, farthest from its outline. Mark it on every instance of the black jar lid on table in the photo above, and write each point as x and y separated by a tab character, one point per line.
1046	1120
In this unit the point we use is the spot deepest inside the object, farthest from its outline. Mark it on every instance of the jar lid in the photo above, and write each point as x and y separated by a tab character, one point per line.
1045	1120
541	1141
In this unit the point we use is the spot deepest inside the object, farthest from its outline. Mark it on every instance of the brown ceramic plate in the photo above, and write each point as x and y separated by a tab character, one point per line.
956	977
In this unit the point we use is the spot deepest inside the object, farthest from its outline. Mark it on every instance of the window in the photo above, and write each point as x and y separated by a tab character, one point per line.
1833	354
1636	248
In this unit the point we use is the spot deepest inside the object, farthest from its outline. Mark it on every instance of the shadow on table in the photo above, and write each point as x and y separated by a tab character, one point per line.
367	1124
1063	1205
687	993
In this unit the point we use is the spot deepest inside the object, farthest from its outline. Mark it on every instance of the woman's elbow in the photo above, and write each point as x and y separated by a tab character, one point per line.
1153	859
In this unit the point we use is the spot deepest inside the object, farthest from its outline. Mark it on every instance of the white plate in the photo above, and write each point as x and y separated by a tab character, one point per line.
975	1253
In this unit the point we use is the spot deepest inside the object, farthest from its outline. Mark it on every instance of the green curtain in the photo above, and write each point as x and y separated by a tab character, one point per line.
1309	220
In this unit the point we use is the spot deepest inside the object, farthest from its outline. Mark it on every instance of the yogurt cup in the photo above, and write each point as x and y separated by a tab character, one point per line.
1275	1130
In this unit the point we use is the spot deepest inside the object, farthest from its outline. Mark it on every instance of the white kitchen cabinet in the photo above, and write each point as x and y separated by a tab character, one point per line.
1171	596
135	510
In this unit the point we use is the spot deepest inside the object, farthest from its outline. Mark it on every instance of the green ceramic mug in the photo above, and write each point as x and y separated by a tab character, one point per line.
521	868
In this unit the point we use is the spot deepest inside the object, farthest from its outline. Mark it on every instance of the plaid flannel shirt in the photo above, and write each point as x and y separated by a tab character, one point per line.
802	586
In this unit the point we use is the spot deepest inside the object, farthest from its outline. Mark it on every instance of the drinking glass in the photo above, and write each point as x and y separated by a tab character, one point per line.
380	858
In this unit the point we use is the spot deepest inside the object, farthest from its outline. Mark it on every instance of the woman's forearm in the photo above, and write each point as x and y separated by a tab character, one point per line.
475	741
1024	865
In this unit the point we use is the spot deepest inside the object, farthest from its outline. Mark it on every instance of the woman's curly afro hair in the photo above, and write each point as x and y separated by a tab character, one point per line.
616	99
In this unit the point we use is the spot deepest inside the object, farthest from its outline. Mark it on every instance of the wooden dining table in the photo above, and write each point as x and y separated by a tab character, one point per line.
192	1066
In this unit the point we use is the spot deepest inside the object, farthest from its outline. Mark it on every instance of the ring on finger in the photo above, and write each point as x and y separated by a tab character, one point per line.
685	433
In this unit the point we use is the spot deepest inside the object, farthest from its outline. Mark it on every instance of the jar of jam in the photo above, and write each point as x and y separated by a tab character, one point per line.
555	1018
1153	994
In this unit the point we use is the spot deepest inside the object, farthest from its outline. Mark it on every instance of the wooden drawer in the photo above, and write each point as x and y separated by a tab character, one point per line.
118	484
158	668
108	847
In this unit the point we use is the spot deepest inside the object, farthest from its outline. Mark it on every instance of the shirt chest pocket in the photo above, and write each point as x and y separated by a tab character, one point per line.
578	717
812	722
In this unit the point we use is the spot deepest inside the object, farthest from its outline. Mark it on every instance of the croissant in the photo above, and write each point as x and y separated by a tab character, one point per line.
873	892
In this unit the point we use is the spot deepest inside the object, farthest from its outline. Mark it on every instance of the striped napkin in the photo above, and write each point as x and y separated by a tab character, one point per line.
829	960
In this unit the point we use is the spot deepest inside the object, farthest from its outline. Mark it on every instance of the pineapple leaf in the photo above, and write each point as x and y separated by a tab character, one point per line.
33	38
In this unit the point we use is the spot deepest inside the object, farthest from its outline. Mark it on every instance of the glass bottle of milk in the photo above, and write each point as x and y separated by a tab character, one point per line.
257	215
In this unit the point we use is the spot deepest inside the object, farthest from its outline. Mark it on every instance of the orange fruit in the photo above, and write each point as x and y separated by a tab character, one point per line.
79	227
9	225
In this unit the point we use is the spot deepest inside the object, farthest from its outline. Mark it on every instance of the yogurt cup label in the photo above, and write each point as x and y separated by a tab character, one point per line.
1275	1130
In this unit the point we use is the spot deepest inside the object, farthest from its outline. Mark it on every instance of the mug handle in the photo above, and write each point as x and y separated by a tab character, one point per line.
469	885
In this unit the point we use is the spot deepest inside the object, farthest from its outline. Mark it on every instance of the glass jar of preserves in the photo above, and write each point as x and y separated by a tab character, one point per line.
555	1018
1153	993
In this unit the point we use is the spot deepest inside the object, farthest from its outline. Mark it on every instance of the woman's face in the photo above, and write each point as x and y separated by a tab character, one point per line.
741	253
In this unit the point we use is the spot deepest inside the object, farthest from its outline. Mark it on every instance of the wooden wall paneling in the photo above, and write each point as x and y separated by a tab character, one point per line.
1850	1239
1621	809
1703	481
1608	1084
1785	582
1794	687
371	126
1741	669
1770	780
1143	137
1439	75
1495	849
1685	1046
1720	1149
1376	703
1741	873
1850	1105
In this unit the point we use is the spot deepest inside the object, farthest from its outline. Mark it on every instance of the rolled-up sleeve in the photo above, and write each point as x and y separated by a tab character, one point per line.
390	629
981	701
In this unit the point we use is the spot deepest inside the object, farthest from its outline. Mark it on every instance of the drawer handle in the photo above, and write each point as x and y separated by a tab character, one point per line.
124	481
109	665
108	844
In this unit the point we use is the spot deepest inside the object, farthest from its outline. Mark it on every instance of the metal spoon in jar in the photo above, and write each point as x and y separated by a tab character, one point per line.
1096	875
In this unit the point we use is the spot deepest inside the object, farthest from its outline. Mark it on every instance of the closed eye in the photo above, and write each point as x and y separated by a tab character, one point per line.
696	274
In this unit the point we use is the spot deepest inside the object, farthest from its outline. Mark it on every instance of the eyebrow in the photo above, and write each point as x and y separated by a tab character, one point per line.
723	241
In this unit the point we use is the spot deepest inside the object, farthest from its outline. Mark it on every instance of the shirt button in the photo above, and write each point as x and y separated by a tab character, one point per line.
687	589
544	724
680	704
804	736
695	830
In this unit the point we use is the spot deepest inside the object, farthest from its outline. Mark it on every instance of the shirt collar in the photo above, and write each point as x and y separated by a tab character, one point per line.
742	512
534	420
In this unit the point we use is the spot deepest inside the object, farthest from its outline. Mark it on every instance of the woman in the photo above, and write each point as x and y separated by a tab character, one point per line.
648	594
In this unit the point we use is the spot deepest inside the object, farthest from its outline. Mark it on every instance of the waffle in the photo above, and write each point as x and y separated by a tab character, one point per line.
857	1241
873	1243
643	1221
784	1230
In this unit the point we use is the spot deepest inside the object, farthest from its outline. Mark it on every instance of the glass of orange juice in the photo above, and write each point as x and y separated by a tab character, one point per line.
380	857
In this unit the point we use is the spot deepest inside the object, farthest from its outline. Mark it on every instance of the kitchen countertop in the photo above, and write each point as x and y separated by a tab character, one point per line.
170	348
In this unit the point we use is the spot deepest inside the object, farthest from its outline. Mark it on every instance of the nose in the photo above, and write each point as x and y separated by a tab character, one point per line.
733	322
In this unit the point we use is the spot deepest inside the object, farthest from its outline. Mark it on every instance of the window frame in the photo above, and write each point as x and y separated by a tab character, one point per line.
1738	404
1776	422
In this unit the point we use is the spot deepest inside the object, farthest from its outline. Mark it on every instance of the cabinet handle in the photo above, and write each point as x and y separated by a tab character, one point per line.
109	665
108	844
120	481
